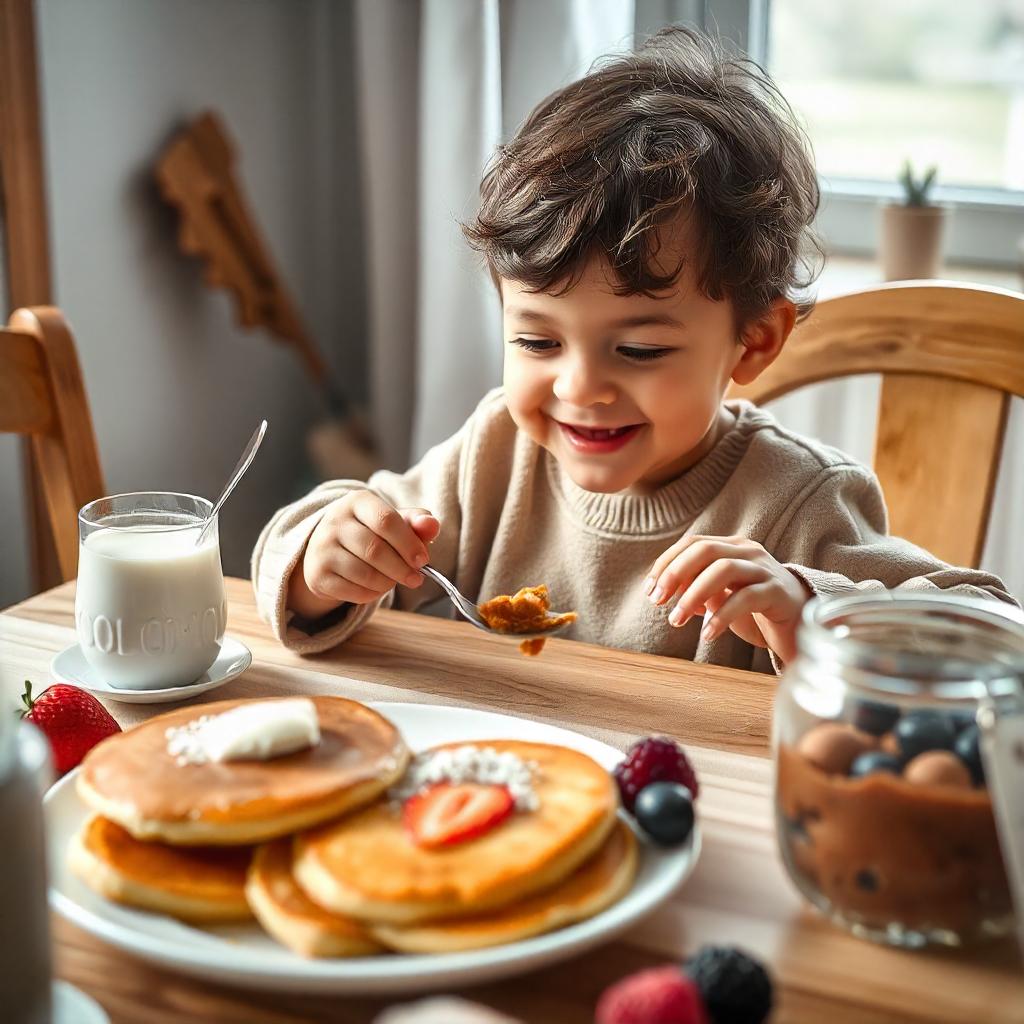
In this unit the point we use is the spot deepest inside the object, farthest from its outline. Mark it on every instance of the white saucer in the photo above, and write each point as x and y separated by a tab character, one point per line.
71	667
73	1006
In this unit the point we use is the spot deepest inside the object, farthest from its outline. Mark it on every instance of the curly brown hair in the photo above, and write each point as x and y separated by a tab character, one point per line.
678	127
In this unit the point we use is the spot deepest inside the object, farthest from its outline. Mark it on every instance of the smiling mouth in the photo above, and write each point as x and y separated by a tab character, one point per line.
589	441
600	433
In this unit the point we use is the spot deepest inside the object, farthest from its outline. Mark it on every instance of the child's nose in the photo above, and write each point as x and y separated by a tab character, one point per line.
582	383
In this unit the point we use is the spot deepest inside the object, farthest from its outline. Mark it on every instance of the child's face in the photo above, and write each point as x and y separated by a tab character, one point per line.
625	391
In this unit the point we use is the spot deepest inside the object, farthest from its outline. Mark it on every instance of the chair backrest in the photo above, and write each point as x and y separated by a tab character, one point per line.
42	396
950	356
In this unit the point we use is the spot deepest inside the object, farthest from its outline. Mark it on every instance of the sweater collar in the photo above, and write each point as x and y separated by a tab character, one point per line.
672	507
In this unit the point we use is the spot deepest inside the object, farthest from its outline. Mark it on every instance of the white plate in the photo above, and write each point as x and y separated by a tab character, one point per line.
244	955
71	667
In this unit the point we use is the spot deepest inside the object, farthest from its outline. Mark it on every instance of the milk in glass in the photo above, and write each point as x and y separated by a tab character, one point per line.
150	608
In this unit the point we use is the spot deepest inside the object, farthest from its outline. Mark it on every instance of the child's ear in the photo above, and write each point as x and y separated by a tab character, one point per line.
762	340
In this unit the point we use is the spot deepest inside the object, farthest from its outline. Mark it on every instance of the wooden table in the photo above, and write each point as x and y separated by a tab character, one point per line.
737	895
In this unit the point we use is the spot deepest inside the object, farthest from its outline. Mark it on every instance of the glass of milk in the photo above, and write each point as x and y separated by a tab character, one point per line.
150	608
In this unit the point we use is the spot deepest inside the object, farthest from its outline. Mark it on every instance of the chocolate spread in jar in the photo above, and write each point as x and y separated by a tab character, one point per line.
883	851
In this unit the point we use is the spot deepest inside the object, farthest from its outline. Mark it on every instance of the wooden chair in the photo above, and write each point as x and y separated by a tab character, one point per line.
42	396
950	356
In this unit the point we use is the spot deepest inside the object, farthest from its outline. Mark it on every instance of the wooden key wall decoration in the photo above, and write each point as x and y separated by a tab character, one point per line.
196	173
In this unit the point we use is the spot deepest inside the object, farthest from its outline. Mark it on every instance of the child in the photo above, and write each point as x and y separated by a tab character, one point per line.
645	228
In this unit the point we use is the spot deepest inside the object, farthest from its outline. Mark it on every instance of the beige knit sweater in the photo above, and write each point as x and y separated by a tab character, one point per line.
510	518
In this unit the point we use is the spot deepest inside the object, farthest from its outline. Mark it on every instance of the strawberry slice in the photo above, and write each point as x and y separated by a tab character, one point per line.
447	813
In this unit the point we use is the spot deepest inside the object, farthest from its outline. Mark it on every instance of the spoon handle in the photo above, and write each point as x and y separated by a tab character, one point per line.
243	464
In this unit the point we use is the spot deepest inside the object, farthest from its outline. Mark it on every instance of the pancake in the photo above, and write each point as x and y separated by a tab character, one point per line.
130	778
599	883
199	884
366	866
291	917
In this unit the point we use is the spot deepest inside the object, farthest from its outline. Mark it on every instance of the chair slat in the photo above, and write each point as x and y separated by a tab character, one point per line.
42	395
25	403
935	328
937	454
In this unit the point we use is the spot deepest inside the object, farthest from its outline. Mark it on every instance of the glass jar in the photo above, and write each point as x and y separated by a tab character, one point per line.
25	773
883	817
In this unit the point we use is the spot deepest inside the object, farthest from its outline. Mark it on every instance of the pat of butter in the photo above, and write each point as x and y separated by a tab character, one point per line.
257	731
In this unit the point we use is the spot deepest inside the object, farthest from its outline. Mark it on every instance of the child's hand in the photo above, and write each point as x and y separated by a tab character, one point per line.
735	579
358	551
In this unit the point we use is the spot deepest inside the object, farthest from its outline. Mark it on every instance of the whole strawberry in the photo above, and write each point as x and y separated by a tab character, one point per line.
660	995
74	722
654	759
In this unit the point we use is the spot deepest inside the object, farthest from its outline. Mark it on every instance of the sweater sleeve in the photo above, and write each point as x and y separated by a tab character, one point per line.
837	542
434	484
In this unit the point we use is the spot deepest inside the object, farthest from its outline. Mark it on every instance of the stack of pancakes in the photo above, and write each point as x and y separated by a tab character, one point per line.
310	844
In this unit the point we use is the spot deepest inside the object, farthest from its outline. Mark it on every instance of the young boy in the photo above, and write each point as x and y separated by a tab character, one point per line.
645	228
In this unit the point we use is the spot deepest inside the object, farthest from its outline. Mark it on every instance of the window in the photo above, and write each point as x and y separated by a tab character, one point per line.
879	81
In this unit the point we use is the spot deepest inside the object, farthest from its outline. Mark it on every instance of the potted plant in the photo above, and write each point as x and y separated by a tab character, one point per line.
912	230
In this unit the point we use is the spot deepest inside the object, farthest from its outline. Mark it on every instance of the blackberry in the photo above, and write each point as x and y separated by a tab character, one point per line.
735	987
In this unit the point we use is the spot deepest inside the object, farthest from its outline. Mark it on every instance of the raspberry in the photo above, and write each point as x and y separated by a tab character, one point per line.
654	759
661	995
735	987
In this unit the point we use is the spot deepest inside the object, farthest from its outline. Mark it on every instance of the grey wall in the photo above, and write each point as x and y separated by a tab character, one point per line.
175	386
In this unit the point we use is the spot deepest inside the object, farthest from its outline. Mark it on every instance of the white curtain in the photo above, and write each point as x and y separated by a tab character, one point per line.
441	83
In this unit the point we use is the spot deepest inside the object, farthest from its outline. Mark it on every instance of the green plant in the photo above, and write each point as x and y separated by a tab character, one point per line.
915	192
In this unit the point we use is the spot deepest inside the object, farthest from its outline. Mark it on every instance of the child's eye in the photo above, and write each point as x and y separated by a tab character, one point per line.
641	354
535	344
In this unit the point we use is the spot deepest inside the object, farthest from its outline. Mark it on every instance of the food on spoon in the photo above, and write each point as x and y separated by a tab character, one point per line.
72	720
526	611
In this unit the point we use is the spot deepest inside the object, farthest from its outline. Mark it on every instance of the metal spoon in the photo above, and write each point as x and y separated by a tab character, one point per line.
469	611
243	464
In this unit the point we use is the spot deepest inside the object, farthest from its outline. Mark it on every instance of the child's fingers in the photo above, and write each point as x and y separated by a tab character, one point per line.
687	565
328	585
723	574
388	524
737	608
359	541
423	523
350	567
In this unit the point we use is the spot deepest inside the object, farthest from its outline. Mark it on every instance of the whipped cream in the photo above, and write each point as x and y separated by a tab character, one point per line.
483	765
256	731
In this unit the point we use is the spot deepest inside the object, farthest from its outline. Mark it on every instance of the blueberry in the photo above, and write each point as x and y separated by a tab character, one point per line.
875	761
962	720
664	810
874	717
924	730
866	880
968	750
